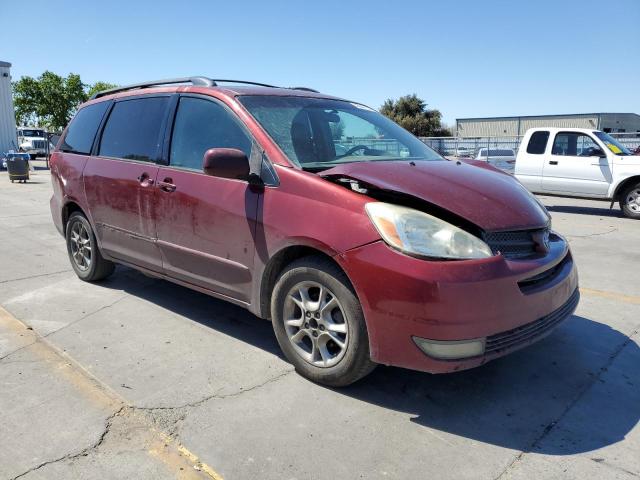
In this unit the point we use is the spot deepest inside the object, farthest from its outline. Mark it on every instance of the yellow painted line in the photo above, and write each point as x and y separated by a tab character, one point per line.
185	464
635	300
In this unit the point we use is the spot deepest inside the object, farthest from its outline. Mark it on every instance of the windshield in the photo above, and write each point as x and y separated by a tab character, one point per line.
317	134
32	133
612	144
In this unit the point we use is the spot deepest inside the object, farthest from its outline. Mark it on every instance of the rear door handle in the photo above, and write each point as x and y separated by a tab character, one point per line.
553	162
167	185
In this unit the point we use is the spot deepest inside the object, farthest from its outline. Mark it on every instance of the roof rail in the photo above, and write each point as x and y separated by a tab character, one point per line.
198	81
306	89
215	80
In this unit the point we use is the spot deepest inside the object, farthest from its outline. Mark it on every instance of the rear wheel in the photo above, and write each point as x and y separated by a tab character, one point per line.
319	323
83	251
630	201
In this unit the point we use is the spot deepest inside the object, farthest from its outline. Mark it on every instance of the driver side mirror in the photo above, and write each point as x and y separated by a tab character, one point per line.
226	163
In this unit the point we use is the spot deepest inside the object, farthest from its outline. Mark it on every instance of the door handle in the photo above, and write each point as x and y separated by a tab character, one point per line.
167	185
553	162
145	180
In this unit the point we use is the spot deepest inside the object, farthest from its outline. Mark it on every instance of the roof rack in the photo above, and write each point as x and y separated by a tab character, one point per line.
305	89
196	81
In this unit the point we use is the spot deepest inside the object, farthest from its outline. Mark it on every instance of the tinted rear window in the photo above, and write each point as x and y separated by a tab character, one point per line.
82	129
133	130
538	143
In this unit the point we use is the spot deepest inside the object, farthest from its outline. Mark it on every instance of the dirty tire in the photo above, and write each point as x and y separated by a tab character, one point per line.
98	268
355	361
630	201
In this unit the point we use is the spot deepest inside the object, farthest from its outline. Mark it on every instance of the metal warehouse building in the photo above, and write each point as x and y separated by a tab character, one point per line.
7	117
8	138
512	126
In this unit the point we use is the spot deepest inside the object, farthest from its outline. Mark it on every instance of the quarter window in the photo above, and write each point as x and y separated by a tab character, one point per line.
574	145
538	143
82	129
200	125
133	130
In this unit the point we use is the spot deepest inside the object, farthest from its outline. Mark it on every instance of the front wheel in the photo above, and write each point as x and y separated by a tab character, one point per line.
83	251
630	201
319	323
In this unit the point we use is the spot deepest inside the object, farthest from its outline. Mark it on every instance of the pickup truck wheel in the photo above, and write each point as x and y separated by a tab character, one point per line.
630	202
319	324
83	250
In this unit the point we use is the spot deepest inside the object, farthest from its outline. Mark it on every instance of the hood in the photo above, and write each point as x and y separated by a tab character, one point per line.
489	199
627	160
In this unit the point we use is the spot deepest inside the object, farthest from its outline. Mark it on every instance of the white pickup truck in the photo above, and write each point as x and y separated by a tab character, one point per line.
579	162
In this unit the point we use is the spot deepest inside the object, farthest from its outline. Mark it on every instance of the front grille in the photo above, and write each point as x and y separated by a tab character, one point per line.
533	283
39	144
530	331
514	244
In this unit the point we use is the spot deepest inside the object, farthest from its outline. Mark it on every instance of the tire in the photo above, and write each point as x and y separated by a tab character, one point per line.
84	254
630	201
32	156
311	338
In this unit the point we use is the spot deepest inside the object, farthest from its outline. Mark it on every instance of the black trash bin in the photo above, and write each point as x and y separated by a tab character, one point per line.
18	167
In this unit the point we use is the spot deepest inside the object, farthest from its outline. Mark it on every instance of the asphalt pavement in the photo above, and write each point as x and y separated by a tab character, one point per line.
139	378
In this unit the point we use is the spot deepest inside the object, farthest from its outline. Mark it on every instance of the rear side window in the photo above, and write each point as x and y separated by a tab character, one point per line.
82	129
538	143
133	130
201	125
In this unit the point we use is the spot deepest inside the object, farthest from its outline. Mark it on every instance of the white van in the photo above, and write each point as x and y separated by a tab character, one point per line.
579	162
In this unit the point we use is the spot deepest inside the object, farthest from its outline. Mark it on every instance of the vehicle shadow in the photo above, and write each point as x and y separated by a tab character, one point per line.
603	212
513	401
510	402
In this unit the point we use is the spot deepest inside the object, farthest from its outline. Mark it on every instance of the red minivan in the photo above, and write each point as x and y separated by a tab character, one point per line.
360	243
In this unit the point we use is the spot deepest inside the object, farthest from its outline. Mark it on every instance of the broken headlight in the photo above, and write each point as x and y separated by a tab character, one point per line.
418	233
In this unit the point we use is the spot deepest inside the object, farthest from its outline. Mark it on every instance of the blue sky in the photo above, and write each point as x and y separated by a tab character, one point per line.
467	58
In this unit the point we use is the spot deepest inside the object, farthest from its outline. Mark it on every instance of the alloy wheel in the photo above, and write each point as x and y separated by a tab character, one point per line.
633	200
315	324
81	248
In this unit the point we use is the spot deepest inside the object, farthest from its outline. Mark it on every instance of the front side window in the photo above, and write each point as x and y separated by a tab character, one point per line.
82	129
538	143
200	125
317	133
133	130
574	144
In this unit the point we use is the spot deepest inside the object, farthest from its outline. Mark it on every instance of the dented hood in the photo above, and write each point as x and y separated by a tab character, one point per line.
489	199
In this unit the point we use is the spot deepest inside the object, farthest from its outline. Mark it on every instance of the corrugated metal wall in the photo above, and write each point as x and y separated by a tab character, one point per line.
621	122
7	116
488	127
500	127
577	121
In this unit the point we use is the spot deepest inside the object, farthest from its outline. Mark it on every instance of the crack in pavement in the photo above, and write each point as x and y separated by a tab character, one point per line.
551	425
217	396
10	280
39	338
175	456
17	350
593	234
84	452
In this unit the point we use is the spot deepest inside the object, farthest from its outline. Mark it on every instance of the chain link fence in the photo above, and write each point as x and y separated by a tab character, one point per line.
468	147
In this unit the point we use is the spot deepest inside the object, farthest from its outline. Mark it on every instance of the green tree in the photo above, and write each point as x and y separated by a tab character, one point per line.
51	100
412	113
99	87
